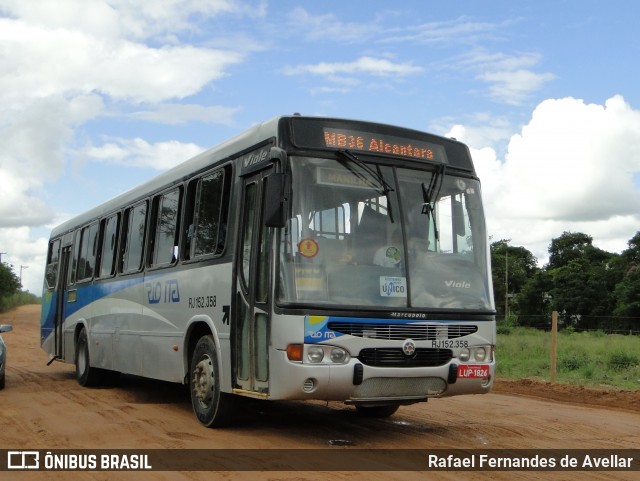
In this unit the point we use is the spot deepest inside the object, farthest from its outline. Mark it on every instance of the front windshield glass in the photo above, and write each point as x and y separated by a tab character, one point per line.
368	235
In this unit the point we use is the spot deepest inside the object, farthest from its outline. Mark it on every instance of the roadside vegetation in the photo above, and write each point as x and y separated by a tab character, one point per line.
597	296
590	288
11	295
584	358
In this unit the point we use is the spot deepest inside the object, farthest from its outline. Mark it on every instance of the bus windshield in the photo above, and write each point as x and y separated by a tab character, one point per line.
380	236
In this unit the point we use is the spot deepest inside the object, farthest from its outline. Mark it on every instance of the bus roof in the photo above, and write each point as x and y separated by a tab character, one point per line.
183	170
236	146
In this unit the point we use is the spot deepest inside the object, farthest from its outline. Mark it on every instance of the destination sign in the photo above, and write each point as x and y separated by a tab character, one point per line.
383	144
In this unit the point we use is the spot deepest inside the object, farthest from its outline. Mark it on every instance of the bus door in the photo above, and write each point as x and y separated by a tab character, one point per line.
62	300
252	326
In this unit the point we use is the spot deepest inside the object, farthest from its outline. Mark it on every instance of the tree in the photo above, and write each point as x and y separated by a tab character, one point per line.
632	254
583	280
627	290
533	301
627	294
567	247
580	293
512	266
9	282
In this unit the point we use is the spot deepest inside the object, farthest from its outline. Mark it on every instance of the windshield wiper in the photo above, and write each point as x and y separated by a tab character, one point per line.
430	196
384	187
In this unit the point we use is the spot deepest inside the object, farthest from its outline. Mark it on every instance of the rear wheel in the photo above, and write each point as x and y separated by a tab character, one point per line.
87	376
2	381
378	411
212	407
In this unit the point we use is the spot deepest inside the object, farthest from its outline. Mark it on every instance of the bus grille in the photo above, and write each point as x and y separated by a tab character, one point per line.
399	332
394	357
403	387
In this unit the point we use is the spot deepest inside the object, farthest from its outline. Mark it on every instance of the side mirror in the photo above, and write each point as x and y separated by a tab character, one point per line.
6	328
275	200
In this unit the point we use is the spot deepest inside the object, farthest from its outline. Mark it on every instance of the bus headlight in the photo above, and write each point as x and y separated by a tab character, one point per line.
474	354
315	354
338	355
480	354
325	354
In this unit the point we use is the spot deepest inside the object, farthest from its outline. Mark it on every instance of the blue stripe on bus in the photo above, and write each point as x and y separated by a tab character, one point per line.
86	295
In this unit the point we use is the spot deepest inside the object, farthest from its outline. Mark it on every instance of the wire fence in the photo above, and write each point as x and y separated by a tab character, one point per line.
604	324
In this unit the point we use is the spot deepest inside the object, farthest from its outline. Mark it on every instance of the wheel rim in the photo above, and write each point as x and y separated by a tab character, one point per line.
203	384
82	360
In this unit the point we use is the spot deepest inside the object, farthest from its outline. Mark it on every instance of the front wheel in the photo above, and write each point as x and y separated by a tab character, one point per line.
87	376
212	407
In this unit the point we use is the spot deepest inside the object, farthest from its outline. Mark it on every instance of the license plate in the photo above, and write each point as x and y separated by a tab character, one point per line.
473	371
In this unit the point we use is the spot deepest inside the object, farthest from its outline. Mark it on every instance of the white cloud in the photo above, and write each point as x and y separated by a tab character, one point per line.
20	206
460	30
63	61
22	250
329	28
140	153
118	18
514	86
571	168
511	78
120	69
173	114
35	136
480	129
378	67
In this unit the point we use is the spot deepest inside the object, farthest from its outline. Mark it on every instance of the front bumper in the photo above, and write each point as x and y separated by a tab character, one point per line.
356	383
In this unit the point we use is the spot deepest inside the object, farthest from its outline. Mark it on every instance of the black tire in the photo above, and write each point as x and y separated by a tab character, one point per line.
378	411
212	407
2	382
87	376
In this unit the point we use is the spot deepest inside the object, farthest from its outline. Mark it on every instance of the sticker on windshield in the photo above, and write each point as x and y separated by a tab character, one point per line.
393	286
308	248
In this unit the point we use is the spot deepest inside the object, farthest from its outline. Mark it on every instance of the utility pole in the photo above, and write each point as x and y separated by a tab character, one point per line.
506	279
22	267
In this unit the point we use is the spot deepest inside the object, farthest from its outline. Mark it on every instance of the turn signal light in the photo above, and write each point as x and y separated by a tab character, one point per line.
294	352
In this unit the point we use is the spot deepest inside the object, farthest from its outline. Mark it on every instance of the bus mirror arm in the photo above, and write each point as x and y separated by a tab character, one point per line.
275	200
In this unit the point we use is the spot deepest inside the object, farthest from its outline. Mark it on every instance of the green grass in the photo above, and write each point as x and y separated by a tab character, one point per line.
18	299
585	358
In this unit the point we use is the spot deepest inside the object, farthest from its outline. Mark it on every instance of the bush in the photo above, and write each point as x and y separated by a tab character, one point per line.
573	361
18	299
619	360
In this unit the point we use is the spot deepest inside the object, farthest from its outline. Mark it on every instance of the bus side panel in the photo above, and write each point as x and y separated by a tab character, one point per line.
47	321
173	300
126	321
206	294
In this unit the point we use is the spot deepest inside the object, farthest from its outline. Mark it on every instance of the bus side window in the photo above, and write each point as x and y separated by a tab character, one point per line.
133	235
53	260
206	214
87	253
164	238
108	235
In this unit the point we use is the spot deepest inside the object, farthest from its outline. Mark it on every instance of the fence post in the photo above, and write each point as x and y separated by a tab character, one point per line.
554	344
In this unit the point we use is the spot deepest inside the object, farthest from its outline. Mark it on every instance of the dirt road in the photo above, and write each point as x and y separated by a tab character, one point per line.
45	408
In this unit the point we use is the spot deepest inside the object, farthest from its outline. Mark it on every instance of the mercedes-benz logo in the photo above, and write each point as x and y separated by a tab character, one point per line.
409	347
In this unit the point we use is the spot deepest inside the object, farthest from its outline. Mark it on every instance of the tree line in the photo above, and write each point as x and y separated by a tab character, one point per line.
589	287
11	294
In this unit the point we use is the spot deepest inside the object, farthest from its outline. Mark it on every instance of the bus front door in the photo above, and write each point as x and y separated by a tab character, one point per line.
252	326
62	300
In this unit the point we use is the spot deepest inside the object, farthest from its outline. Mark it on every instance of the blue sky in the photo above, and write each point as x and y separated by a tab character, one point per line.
100	95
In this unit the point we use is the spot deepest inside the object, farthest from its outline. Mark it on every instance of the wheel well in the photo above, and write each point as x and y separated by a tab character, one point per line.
76	334
196	331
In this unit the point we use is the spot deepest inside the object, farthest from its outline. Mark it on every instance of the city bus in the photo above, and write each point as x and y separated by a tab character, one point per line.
305	259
